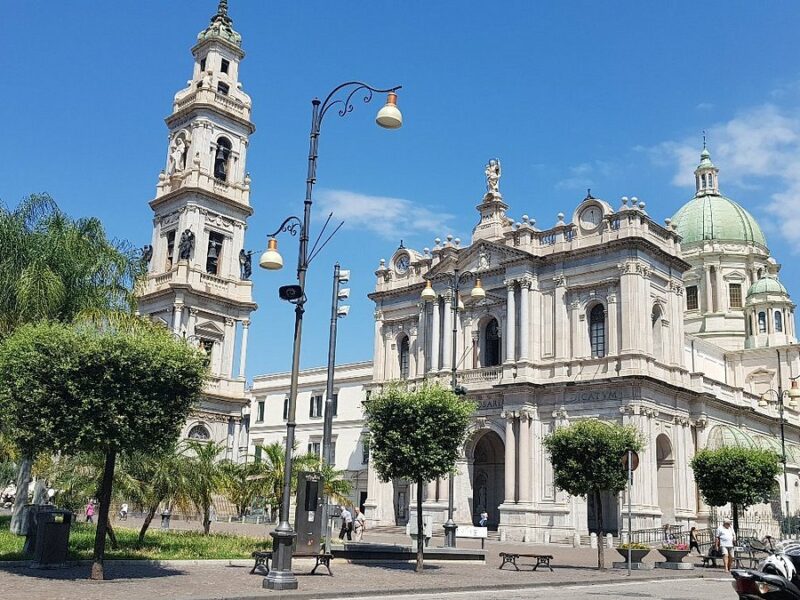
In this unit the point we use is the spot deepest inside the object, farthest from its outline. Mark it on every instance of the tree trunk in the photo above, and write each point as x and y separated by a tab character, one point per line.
21	499
601	542
420	529
151	513
102	519
206	520
735	510
112	537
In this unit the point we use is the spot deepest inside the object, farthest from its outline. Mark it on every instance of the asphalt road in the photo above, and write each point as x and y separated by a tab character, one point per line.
673	589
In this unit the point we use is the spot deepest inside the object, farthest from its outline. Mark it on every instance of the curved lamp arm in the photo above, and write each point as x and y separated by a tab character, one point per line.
346	104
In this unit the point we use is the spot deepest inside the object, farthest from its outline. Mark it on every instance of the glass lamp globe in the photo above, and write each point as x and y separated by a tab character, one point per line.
428	295
271	259
390	117
478	293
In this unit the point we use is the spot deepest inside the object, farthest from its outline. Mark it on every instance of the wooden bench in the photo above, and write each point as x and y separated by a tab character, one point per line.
263	557
511	559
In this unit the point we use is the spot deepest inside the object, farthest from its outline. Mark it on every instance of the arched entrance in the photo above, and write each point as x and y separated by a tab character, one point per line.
488	479
666	479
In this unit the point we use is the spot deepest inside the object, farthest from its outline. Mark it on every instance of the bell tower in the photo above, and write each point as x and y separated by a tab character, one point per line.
198	281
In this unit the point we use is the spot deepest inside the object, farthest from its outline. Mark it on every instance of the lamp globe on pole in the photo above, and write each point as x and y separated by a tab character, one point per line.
271	259
389	116
478	293
428	295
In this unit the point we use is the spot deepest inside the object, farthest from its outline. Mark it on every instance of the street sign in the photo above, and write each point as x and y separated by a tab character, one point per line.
634	460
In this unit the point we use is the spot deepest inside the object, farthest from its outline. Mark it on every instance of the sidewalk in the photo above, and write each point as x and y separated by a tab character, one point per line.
216	581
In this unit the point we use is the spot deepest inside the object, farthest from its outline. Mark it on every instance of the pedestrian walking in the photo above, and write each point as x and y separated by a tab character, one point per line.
359	525
484	519
725	541
90	512
693	541
347	524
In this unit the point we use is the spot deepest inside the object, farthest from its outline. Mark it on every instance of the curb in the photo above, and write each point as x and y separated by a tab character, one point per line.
217	562
367	594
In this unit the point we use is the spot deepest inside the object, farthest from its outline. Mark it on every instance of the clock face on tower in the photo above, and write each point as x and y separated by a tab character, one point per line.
401	263
590	217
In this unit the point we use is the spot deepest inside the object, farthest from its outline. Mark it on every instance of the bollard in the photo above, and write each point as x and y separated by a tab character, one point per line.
576	540
624	537
546	537
165	517
609	540
593	541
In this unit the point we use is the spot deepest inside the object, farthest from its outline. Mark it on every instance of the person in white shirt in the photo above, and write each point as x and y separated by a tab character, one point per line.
359	524
726	540
347	524
123	511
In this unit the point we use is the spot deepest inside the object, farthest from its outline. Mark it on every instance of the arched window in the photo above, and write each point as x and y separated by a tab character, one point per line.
491	357
597	331
403	356
710	180
221	159
762	322
199	432
703	179
778	322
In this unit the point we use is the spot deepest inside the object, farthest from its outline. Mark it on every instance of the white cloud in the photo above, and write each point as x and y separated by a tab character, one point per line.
584	175
382	215
704	106
757	149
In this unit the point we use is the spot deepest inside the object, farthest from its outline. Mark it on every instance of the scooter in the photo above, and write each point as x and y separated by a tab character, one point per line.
776	577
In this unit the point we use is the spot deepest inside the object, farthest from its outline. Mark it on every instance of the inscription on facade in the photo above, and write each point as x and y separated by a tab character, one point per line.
490	404
597	396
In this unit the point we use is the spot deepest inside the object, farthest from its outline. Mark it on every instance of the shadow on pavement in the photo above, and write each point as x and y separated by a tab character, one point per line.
112	572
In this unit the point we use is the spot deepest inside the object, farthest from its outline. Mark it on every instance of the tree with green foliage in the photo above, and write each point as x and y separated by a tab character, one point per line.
417	435
206	476
739	476
57	268
587	461
125	386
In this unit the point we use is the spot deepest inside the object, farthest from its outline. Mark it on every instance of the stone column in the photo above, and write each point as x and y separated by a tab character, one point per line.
422	368
447	333
430	491
475	349
177	317
378	372
612	324
524	319
629	290
576	329
525	456
243	349
709	307
434	362
510	460
511	325
229	342
561	319
192	321
536	321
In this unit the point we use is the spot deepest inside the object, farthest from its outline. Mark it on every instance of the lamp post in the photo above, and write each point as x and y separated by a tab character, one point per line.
793	393
454	280
281	576
337	312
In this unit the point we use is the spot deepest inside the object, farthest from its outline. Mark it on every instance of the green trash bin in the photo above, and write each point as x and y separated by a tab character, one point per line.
51	528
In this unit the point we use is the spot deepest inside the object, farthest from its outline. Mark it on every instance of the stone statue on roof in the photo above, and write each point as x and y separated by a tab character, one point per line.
493	176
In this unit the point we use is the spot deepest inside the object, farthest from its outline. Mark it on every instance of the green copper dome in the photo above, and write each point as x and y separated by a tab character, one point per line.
767	285
715	217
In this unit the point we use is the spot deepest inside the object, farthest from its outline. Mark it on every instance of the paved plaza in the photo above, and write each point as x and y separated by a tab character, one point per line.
185	580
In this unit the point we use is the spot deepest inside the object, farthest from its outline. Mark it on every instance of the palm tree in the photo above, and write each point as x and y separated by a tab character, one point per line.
54	267
150	481
205	476
241	484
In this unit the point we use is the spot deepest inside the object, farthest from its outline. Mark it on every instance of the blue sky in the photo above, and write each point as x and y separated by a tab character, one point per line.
569	95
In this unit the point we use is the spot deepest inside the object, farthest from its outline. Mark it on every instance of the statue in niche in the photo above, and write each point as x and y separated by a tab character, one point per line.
177	158
483	259
493	176
186	245
147	253
245	264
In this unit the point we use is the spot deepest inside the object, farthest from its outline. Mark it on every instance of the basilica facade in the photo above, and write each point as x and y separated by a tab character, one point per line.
679	329
198	284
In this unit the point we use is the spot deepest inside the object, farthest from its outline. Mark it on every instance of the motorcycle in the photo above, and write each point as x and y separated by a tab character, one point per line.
776	577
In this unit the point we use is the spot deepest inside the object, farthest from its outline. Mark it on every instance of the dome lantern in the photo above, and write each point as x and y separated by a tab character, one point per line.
706	174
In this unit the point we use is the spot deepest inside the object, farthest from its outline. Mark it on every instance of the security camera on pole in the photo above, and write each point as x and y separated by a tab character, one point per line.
337	311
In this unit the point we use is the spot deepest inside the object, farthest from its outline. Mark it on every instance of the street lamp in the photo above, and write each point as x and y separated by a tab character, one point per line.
337	311
454	280
793	394
280	576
